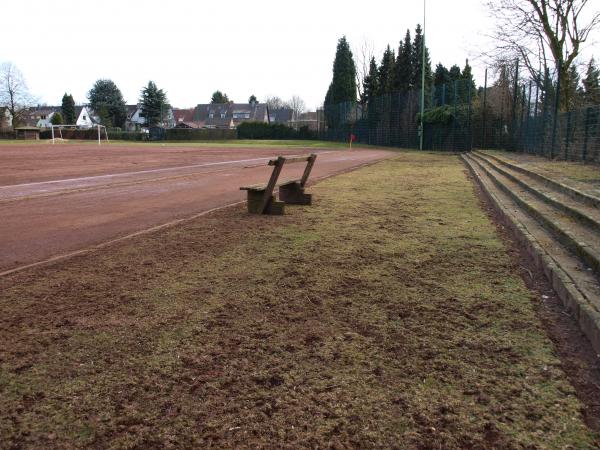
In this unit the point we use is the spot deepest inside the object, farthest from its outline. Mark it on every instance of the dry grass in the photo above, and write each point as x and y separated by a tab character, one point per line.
388	314
563	170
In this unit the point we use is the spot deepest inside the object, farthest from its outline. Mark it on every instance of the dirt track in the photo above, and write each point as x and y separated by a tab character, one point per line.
59	199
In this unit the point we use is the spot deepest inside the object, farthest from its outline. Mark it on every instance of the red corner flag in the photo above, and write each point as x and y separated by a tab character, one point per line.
352	139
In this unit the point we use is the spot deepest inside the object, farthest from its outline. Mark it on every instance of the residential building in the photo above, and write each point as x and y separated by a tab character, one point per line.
86	117
283	116
5	118
185	118
229	115
40	116
308	119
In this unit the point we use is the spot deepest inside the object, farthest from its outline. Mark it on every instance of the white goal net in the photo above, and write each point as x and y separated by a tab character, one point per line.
57	132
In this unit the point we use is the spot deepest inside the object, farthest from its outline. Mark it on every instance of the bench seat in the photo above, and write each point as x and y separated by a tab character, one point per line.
262	187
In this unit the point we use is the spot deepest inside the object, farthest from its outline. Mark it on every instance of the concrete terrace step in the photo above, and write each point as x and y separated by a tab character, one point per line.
576	285
574	193
578	210
578	238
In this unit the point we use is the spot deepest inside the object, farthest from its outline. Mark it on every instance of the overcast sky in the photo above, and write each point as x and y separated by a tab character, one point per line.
192	48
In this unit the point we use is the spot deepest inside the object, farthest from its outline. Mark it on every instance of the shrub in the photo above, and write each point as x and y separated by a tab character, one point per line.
262	130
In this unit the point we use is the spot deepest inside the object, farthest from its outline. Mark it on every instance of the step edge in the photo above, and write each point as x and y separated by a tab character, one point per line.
586	315
574	193
573	212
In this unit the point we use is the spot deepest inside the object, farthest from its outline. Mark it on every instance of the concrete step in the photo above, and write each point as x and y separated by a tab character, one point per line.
575	194
576	285
580	239
581	212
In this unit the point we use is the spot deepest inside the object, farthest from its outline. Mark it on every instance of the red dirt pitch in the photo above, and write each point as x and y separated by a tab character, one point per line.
57	199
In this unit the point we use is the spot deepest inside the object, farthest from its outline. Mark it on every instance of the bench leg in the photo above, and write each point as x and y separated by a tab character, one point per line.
293	194
255	201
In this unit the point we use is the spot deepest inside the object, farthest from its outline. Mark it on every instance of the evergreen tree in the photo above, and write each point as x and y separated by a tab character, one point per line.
404	65
591	85
68	109
441	75
386	72
252	99
56	119
570	89
468	82
154	104
441	82
370	84
219	97
343	84
107	101
455	75
417	62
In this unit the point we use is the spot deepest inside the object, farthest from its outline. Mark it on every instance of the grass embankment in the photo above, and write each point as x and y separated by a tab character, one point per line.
386	314
562	170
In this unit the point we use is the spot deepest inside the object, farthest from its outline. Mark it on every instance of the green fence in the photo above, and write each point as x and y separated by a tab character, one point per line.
513	113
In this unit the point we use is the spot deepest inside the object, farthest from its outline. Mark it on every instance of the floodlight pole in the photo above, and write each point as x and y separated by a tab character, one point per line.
422	130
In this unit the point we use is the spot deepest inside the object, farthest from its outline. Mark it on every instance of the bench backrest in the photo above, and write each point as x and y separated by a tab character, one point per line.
281	160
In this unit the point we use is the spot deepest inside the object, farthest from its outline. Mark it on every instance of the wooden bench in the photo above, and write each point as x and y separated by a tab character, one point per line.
261	199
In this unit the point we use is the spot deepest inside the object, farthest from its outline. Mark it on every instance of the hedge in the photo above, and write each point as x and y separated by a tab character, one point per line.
193	134
262	130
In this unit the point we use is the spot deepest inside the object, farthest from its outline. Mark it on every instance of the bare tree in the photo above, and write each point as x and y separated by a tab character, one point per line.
363	55
542	32
273	102
297	105
14	93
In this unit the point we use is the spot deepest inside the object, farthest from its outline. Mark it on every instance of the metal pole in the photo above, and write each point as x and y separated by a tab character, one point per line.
514	106
422	79
484	108
588	114
556	105
527	140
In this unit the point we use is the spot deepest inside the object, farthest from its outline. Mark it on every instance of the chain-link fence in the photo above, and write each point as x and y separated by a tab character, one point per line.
535	115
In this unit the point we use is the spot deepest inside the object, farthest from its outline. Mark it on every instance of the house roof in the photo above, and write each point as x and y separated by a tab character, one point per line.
131	109
256	112
281	115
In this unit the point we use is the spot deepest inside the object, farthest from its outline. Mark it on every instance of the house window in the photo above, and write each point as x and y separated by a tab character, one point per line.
211	115
84	118
43	117
222	115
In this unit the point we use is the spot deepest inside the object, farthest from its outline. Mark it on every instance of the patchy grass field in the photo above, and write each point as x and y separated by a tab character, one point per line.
388	314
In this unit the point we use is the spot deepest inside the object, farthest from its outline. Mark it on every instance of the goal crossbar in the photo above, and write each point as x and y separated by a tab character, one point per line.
60	128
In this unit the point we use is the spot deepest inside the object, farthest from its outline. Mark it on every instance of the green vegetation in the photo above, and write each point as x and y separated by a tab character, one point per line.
68	109
154	105
262	130
343	85
56	119
107	101
219	97
295	331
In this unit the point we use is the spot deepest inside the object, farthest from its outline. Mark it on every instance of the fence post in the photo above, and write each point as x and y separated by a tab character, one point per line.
527	136
556	105
484	109
514	106
588	112
567	136
469	144
454	121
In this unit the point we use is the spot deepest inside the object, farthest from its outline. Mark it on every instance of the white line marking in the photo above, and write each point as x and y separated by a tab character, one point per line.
164	169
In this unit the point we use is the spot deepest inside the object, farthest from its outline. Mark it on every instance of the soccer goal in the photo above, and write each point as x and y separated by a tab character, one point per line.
57	132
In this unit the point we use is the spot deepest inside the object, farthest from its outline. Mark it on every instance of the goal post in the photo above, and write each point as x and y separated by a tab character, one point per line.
57	132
